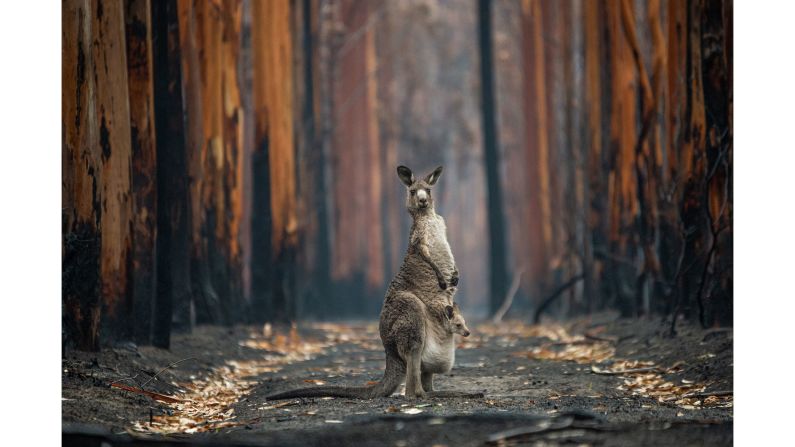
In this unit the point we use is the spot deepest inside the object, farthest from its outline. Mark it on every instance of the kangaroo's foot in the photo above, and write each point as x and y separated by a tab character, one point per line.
418	394
427	381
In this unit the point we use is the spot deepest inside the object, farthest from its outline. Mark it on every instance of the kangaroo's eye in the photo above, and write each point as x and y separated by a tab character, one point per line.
428	191
413	192
458	324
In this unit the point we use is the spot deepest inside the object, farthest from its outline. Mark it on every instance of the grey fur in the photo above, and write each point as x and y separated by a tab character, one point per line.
418	317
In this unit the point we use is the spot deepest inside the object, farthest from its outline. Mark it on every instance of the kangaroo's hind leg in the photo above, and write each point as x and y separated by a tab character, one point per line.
403	329
413	376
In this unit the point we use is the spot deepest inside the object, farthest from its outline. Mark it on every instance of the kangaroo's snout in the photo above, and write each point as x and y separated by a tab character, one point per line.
422	198
465	334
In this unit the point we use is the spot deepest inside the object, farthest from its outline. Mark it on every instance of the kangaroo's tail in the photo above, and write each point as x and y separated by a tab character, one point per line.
394	373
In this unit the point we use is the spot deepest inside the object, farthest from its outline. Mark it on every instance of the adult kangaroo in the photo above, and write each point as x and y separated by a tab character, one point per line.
418	317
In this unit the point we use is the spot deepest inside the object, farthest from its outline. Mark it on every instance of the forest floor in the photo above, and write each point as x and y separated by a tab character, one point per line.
597	381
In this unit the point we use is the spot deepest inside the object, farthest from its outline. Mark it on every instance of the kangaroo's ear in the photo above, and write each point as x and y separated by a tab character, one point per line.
448	310
433	176
405	175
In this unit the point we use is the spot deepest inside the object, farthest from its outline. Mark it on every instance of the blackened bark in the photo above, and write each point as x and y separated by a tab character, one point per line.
82	210
144	174
173	242
261	245
498	271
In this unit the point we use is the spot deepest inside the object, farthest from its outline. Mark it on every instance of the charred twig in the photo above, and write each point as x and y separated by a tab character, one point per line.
570	343
709	394
677	276
598	338
155	396
282	404
171	365
604	372
700	294
717	330
506	304
559	291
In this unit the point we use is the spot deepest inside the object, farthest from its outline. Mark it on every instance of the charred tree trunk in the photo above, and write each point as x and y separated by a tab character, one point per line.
273	258
593	201
98	214
537	143
498	271
173	229
82	305
210	23
314	251
144	167
231	268
206	299
715	295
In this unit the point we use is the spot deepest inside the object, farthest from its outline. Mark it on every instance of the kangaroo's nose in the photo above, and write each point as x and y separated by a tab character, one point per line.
466	333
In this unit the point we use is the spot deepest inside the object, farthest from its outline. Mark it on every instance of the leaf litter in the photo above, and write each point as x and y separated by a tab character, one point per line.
205	404
640	378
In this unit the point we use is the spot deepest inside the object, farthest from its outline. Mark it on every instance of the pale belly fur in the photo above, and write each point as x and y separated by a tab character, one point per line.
438	356
439	247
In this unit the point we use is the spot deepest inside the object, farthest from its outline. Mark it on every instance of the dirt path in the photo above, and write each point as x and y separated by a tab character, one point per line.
546	383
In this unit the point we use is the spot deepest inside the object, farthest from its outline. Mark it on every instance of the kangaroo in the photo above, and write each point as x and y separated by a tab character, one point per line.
419	316
429	256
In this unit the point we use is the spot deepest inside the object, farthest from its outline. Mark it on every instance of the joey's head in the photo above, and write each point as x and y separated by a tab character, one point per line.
455	320
418	191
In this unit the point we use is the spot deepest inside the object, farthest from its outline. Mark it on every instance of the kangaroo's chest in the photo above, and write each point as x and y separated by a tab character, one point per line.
436	236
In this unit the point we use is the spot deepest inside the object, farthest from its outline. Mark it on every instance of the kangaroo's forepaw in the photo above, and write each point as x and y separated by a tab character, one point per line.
442	285
454	281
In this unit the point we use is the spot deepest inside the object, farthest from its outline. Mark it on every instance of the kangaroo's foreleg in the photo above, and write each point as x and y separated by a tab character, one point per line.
427	381
425	254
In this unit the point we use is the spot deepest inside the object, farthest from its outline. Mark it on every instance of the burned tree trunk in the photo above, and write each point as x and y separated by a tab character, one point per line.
595	184
537	143
206	300
314	259
98	213
498	271
714	295
144	178
173	230
81	178
210	28
230	268
274	209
